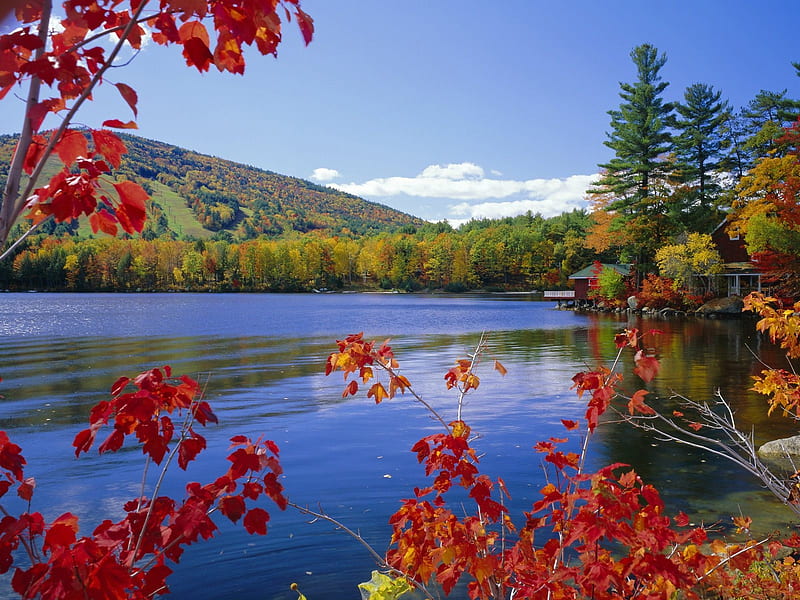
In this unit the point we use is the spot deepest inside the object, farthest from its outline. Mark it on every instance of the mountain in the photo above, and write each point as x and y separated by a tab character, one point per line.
196	195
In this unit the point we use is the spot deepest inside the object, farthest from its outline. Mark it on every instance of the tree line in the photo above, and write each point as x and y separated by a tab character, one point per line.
525	252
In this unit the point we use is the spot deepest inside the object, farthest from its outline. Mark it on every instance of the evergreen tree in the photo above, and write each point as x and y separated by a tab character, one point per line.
766	116
635	180
699	150
639	136
737	160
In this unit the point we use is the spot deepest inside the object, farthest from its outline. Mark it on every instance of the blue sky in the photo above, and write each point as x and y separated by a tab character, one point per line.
451	109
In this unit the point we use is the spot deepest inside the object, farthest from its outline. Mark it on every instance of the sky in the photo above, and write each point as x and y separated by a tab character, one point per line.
449	109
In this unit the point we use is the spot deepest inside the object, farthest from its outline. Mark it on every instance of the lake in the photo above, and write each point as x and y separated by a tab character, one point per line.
262	358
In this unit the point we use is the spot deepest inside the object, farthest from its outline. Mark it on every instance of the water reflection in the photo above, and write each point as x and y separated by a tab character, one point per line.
262	358
699	357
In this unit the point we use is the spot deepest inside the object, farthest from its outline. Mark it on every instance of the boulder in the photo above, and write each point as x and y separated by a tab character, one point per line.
633	302
732	305
781	449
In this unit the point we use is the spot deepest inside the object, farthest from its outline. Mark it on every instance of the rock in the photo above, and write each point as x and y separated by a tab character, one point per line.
633	302
732	305
781	449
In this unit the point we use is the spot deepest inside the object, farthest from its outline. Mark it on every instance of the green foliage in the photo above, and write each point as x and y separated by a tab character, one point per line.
766	233
766	116
639	134
699	148
610	284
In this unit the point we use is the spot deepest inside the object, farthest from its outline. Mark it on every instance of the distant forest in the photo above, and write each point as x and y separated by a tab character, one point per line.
524	253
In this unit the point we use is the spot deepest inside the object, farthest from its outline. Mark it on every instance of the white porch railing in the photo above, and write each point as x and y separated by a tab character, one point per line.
559	294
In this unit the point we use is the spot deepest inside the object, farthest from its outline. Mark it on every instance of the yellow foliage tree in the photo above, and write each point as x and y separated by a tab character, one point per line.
697	258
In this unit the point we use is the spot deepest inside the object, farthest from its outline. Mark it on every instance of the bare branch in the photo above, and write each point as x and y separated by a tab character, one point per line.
727	441
323	516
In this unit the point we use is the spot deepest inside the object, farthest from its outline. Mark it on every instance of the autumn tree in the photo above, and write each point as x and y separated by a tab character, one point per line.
767	213
697	257
605	235
58	69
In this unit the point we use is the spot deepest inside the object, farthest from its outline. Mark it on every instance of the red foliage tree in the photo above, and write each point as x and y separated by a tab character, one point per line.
62	69
131	558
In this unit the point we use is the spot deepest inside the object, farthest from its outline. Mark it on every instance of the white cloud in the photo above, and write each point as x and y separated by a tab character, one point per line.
324	174
453	171
467	183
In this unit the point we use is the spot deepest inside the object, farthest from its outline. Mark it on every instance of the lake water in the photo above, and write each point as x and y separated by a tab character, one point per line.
263	356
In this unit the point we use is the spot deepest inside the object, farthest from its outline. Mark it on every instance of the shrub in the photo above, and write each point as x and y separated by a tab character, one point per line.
659	292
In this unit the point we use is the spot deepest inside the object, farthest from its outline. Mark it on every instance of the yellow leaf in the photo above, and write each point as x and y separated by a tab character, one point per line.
383	587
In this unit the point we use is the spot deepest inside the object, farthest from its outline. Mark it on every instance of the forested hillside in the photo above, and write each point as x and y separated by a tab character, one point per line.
197	196
522	253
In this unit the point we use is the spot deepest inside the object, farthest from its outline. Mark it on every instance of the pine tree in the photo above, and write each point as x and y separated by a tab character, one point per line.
699	150
635	180
737	160
639	136
767	115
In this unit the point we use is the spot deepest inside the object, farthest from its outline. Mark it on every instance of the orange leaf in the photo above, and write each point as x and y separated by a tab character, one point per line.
378	392
62	532
742	524
71	145
129	95
189	7
34	153
117	124
132	209
500	368
103	221
193	29
637	404
25	490
570	425
197	54
255	521
350	390
306	24
628	479
109	145
646	366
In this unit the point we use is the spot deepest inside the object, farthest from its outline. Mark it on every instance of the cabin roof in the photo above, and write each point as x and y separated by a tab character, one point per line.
589	272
